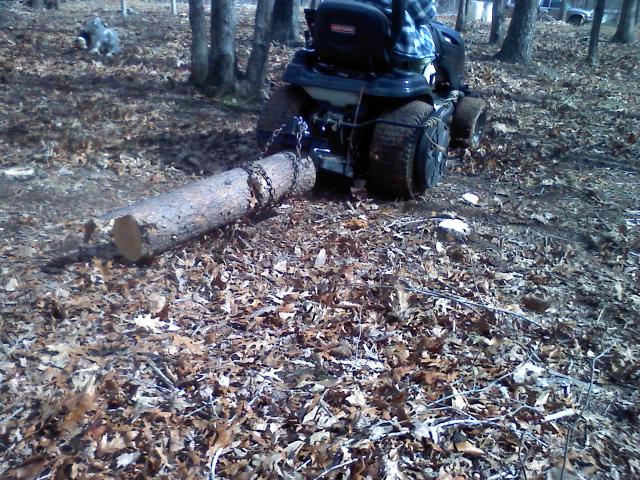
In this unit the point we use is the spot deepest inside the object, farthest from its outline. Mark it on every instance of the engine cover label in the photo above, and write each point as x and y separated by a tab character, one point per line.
348	29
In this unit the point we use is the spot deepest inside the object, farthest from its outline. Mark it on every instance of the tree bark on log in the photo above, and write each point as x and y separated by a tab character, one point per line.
145	229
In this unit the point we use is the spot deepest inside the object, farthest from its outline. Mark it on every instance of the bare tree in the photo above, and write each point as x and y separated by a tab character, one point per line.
624	31
461	19
284	25
518	44
497	21
594	37
564	6
199	43
37	4
222	54
174	7
123	8
637	12
257	64
214	68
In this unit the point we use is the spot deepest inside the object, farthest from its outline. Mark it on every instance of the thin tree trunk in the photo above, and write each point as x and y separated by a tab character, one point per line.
199	43
594	37
222	54
624	31
257	63
638	12
284	23
497	21
518	44
123	8
461	19
563	10
37	4
174	7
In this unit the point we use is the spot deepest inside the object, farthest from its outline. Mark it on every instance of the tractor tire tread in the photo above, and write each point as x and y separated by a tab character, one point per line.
392	151
464	120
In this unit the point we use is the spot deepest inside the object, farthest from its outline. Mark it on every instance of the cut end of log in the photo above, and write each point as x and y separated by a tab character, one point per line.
127	235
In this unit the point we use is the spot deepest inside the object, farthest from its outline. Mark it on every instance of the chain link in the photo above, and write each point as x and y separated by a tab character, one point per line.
254	169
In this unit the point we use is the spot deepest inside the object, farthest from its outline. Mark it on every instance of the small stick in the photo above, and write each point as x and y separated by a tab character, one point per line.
336	467
214	462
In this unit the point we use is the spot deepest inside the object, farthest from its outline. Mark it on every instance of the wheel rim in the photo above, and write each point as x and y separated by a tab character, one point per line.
478	130
431	162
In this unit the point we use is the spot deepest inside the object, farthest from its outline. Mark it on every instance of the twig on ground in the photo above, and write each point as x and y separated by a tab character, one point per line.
214	463
336	467
453	298
161	374
584	408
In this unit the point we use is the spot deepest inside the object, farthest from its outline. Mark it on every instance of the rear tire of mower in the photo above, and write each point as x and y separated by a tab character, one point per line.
469	120
392	154
285	102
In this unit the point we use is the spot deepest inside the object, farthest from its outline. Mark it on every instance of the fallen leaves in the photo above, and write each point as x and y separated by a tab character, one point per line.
299	345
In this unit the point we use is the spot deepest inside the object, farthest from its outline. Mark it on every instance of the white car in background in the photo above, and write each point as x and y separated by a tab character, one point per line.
551	8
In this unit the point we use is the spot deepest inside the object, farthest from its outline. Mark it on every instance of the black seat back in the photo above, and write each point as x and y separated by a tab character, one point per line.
352	35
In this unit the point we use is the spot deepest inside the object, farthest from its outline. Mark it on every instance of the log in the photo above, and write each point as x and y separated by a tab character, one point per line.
145	229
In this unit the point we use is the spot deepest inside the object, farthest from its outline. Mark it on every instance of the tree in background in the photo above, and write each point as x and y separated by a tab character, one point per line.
285	25
497	21
624	31
564	6
199	43
518	44
214	66
222	53
463	15
594	37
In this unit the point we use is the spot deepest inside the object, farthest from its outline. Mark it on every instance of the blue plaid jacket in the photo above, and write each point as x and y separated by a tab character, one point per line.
415	41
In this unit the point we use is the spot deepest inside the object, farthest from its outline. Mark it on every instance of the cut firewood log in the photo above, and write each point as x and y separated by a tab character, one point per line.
144	229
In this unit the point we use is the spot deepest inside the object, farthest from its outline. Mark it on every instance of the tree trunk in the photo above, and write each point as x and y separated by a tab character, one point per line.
284	25
624	31
518	44
461	19
199	43
638	12
257	63
563	10
497	21
222	54
123	8
174	7
594	37
37	4
150	227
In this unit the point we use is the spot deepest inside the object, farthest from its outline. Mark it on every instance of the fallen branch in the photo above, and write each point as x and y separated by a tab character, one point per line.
147	228
453	298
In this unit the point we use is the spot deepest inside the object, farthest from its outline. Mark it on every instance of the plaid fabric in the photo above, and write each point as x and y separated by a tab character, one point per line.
415	41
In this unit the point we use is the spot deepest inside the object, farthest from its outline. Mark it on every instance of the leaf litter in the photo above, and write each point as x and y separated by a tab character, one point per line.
344	336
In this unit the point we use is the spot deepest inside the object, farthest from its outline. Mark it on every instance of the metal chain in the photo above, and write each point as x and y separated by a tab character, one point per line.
255	169
301	129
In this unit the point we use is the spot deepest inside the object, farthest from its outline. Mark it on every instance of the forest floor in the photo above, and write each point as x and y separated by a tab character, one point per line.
343	336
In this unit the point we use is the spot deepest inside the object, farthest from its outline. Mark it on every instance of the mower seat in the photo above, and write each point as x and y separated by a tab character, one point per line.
352	36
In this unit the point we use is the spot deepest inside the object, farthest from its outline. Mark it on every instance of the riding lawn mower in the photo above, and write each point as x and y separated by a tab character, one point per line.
359	113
